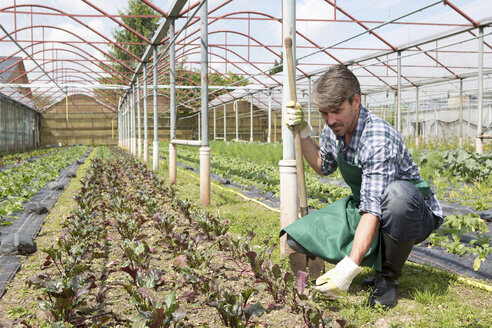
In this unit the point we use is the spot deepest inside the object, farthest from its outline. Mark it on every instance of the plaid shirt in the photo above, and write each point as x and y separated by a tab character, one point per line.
380	152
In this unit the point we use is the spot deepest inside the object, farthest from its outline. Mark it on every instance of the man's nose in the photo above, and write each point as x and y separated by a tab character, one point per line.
330	119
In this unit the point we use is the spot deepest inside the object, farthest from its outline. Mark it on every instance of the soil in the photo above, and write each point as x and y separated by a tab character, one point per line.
19	306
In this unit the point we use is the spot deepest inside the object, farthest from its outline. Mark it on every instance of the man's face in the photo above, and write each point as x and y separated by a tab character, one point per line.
343	118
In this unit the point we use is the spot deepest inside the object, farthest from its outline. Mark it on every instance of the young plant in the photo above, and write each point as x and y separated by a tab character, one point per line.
233	307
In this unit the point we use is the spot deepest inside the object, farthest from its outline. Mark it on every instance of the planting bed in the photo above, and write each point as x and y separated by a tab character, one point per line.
133	253
26	222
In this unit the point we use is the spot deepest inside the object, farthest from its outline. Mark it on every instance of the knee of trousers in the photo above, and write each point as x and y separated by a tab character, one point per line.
402	207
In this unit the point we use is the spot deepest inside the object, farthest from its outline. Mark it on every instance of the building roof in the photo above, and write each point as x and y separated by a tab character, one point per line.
11	70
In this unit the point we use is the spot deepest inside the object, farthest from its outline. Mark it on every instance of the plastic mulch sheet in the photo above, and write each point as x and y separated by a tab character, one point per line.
30	223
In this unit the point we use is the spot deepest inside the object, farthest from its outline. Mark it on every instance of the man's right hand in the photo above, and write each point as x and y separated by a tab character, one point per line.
295	115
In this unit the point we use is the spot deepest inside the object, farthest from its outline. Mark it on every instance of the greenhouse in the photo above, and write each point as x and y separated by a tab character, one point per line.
232	163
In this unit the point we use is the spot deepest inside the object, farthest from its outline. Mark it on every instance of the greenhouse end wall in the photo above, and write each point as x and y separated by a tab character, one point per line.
19	126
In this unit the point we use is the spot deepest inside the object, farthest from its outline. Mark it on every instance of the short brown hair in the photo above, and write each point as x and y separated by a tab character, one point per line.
335	86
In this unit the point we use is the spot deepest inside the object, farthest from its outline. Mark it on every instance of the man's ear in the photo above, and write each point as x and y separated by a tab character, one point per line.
356	101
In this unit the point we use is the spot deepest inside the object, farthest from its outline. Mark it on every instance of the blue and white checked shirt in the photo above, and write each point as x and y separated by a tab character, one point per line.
382	156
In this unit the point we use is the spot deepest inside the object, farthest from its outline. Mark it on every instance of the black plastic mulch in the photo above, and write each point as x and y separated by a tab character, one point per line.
30	223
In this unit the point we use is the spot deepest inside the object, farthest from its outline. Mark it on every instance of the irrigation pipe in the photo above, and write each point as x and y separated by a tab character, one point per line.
461	279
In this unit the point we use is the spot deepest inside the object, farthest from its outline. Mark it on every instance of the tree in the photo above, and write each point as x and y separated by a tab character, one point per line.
189	99
146	26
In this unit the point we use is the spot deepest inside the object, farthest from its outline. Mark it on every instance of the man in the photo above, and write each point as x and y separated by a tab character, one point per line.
391	209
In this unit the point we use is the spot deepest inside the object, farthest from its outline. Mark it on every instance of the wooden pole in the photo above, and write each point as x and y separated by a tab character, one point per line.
301	184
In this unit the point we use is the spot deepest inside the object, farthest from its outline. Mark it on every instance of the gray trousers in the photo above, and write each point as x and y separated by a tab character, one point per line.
404	215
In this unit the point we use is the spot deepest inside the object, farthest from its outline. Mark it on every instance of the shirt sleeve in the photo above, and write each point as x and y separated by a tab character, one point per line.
328	151
378	160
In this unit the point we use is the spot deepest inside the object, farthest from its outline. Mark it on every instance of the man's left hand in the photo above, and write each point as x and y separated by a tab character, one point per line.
336	282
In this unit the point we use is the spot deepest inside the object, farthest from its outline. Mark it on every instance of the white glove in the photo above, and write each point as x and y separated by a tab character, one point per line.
295	115
336	282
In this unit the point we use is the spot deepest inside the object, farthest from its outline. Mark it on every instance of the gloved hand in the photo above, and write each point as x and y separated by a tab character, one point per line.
336	282
295	115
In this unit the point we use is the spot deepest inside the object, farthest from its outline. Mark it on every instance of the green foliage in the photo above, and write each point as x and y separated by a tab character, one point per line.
451	232
18	184
460	176
189	99
145	26
260	174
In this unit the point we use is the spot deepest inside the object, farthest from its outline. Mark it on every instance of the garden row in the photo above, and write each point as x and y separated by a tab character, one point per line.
18	184
177	265
263	176
16	158
458	176
460	234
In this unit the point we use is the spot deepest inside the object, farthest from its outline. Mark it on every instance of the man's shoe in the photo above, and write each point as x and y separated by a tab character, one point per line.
368	282
385	290
384	293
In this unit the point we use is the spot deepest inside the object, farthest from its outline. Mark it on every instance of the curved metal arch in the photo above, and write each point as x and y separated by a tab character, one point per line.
108	93
215	96
59	69
48	61
78	21
244	72
77	36
247	36
101	65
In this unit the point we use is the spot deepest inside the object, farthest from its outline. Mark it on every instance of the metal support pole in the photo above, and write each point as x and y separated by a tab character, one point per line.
134	139
269	138
124	125
250	118
215	125
119	125
139	123
417	132
398	91
479	141
172	104
461	115
287	166
128	126
155	148
225	123
199	123
309	99
237	120
146	120
204	150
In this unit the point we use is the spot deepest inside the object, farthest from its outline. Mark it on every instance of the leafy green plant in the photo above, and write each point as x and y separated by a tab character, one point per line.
455	227
233	307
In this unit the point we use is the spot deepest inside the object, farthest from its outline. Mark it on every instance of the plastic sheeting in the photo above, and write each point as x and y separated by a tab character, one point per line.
29	221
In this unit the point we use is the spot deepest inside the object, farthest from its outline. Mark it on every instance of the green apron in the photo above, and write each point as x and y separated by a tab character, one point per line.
329	233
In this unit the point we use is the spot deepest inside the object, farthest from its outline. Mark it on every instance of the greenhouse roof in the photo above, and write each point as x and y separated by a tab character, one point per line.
66	44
